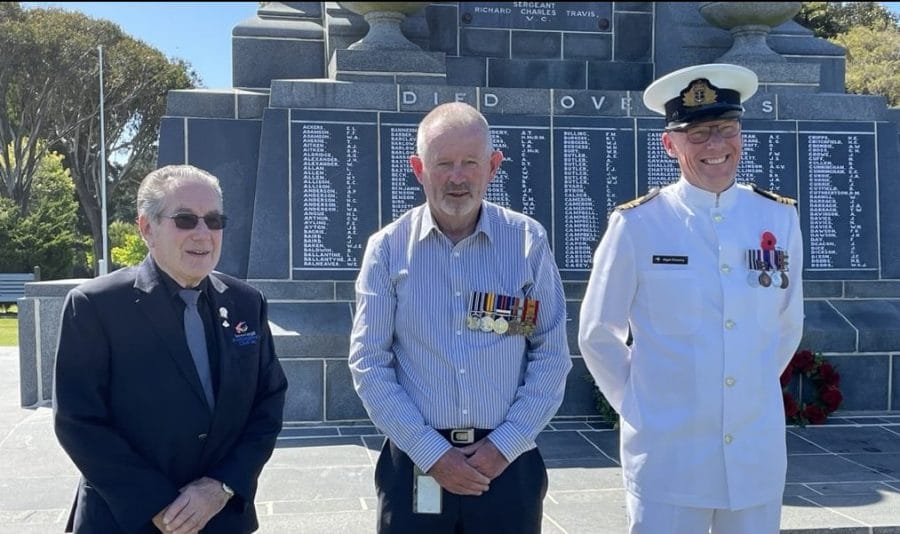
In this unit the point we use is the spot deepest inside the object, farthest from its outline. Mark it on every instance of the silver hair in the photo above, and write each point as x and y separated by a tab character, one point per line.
159	183
453	114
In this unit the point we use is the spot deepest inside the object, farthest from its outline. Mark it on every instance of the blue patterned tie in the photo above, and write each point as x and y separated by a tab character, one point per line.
196	340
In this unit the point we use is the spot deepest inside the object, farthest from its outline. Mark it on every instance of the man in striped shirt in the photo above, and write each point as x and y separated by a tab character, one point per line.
459	349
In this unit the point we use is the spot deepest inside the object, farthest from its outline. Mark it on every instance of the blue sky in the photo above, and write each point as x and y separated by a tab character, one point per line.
198	32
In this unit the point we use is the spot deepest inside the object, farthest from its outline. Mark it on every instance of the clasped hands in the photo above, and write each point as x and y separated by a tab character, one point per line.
189	512
469	470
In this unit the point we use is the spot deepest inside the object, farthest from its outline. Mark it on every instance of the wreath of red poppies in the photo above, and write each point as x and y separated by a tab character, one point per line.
825	382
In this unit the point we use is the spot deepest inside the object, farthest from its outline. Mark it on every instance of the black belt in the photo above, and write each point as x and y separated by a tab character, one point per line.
464	436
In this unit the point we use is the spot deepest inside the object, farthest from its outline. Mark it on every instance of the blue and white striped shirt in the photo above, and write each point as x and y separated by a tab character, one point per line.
414	363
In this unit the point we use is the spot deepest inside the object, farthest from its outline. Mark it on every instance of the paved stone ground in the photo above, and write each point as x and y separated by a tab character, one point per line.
842	478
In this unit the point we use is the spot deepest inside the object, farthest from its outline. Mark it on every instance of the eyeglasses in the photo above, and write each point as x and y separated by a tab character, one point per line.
189	221
701	134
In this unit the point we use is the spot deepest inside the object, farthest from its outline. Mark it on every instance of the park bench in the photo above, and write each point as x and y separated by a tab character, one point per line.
12	287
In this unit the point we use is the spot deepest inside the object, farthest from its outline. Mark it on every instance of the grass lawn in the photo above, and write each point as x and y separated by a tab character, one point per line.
9	332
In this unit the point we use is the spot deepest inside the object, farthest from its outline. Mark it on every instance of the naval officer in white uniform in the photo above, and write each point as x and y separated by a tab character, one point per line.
705	276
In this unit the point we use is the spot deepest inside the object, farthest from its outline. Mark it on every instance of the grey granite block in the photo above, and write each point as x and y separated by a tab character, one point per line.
878	323
535	45
573	320
786	73
633	36
306	389
831	107
50	312
345	291
52	288
880	289
304	10
172	140
268	258
874	439
579	398
420	79
574	290
417	97
443	24
295	290
387	61
816	289
333	95
605	440
644	7
229	149
761	106
895	380
536	73
798	442
258	61
619	76
888	192
204	103
590	103
29	393
311	329
467	71
825	330
483	42
252	105
341	401
864	381
590	46
514	101
386	78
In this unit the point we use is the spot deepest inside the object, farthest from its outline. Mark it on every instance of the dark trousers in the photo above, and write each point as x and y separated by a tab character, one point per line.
512	505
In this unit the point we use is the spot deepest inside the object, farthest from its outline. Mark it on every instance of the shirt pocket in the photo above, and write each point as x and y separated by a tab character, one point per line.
672	300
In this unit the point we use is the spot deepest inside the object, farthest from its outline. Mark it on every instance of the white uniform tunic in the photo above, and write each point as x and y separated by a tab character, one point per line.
698	390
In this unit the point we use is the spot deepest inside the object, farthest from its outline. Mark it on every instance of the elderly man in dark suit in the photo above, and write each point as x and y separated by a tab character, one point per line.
168	395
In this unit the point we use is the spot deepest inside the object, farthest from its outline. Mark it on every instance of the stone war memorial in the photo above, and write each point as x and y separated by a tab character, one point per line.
312	145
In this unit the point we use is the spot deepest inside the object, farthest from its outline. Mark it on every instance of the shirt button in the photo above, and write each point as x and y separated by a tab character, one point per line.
729	381
201	437
729	324
462	371
459	332
458	293
728	439
726	268
718	217
465	412
456	254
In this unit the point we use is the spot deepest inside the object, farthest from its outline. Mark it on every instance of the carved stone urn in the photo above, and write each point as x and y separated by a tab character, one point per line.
749	24
384	20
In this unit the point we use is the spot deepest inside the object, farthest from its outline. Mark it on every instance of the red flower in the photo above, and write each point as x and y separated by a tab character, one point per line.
832	397
790	405
787	375
829	375
815	414
767	242
804	361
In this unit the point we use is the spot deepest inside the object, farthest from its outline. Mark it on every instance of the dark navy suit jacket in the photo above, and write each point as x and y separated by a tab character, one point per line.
130	411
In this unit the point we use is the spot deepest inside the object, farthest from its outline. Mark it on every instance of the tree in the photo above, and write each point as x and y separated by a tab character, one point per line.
829	19
870	34
45	236
52	54
873	61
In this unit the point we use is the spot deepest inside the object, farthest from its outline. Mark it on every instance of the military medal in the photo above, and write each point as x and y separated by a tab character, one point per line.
784	281
487	323
500	325
764	279
472	322
752	279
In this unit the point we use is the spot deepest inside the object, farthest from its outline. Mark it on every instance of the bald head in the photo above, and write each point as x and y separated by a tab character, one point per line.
454	115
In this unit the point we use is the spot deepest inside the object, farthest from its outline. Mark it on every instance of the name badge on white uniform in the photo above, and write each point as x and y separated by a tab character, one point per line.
426	493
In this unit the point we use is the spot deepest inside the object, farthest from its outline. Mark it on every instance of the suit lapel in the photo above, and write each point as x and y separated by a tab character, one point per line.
224	310
155	303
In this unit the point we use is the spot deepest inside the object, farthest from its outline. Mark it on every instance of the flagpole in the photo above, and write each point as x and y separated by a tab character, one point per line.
103	262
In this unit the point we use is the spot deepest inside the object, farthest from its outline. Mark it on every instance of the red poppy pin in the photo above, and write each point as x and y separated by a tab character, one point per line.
767	242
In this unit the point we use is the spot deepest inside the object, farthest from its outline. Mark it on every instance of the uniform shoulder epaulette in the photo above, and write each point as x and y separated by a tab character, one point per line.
639	200
774	196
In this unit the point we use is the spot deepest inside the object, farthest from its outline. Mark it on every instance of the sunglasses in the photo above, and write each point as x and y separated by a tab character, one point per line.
189	221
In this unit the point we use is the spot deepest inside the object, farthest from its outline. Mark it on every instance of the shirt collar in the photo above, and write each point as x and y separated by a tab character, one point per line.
172	287
483	225
695	197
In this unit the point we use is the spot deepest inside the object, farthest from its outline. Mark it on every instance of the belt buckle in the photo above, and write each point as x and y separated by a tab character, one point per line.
462	436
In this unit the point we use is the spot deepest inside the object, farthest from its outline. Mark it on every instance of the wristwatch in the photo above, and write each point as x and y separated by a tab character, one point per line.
227	489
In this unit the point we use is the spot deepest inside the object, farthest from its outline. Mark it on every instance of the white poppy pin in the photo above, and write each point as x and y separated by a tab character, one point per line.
223	313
